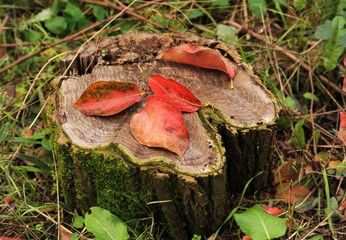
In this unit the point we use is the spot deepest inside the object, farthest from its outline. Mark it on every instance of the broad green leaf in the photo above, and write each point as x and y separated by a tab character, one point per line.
104	225
257	7
260	225
56	25
78	222
75	17
226	33
324	31
334	47
298	135
299	4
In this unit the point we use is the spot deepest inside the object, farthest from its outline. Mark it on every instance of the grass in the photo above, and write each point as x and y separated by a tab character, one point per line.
280	46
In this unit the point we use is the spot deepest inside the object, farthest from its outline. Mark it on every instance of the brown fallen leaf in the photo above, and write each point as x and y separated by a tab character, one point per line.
285	172
291	194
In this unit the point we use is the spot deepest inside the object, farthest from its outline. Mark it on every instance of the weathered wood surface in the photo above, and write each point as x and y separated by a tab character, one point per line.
231	136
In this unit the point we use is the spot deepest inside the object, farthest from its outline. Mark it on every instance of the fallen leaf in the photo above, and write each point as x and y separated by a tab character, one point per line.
247	238
180	96
291	194
286	171
65	235
344	85
8	238
160	124
342	128
199	56
342	206
105	98
8	200
272	210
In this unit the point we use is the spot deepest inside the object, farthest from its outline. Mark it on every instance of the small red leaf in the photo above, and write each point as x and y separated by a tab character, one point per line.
199	56
160	124
272	210
105	98
342	128
344	85
180	96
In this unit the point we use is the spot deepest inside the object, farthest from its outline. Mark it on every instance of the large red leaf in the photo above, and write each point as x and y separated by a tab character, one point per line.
160	124
105	98
342	128
180	96
198	56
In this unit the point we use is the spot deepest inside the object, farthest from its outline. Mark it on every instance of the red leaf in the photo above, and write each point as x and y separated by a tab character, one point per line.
344	85
342	128
65	235
247	238
272	210
198	56
160	124
8	238
105	98
180	96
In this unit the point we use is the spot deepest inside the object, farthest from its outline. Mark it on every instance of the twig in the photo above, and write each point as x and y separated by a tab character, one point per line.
4	22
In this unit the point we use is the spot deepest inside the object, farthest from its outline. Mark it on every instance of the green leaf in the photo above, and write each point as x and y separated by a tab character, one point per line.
298	135
257	7
324	31
341	8
260	225
290	103
78	222
334	46
220	3
99	12
75	17
310	96
317	237
194	13
4	131
43	15
226	33
104	225
56	25
299	4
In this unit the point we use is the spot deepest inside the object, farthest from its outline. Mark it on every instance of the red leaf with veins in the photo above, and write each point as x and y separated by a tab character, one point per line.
342	128
105	98
177	94
160	124
199	56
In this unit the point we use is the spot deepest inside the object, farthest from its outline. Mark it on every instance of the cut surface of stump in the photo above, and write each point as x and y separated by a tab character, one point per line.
230	136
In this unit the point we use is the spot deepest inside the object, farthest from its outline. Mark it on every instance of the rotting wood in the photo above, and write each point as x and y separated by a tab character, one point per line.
231	137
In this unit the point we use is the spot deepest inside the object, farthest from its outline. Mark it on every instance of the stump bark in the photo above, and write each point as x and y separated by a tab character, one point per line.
101	164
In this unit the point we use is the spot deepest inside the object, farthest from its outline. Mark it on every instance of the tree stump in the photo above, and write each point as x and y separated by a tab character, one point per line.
101	164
